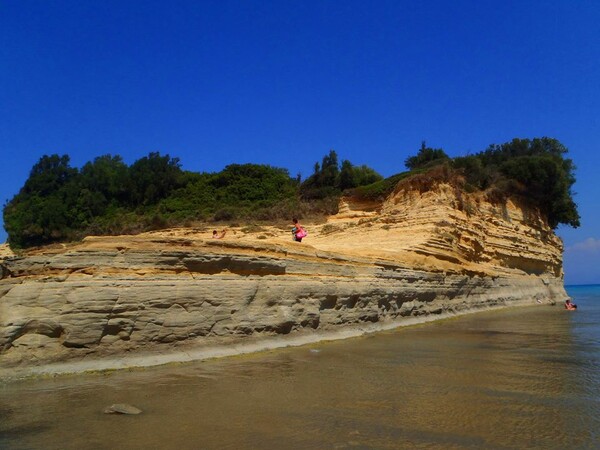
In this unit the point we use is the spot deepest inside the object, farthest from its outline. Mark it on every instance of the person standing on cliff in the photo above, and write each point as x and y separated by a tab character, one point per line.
298	232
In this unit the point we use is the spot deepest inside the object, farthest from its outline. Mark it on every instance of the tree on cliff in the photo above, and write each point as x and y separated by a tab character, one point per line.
104	183
43	210
107	176
353	176
153	178
323	182
239	190
535	169
329	179
59	202
547	178
425	156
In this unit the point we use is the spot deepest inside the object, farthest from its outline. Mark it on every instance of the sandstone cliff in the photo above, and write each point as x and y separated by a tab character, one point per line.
414	254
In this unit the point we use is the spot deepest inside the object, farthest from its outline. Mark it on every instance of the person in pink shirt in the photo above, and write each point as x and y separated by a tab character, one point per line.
298	232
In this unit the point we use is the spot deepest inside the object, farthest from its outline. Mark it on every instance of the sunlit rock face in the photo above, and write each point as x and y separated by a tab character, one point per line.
413	254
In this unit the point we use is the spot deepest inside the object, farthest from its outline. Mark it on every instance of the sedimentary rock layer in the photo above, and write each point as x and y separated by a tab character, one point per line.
415	254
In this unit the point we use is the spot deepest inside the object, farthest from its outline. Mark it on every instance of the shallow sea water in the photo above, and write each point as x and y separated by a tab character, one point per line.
518	378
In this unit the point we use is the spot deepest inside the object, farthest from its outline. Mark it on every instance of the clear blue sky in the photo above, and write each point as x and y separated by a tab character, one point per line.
217	82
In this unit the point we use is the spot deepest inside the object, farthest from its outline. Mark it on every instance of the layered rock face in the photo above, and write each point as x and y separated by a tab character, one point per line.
415	254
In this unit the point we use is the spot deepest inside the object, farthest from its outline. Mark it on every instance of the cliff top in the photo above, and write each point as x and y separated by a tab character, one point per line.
439	230
5	251
60	203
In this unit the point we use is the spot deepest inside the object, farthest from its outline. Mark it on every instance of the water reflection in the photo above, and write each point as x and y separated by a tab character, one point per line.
505	379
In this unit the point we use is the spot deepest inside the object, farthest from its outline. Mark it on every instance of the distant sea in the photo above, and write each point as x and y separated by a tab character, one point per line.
508	379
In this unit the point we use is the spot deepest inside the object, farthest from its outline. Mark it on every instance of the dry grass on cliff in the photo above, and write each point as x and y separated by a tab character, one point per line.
5	251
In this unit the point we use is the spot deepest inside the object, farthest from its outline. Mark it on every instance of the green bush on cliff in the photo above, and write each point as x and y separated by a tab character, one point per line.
329	179
59	202
239	191
426	157
44	210
535	169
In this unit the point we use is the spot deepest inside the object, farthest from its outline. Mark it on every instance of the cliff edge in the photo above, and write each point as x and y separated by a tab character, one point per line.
175	292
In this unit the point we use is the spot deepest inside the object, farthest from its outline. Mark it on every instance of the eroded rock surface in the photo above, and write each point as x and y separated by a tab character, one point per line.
122	408
414	254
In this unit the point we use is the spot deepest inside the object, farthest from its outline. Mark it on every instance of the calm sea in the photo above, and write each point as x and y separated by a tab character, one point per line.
519	378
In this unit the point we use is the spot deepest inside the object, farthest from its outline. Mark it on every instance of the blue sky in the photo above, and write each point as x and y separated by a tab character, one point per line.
217	82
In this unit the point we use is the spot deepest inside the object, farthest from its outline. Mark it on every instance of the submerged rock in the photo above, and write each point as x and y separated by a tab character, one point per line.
122	408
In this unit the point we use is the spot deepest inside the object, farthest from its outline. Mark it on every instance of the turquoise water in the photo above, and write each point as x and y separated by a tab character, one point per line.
518	378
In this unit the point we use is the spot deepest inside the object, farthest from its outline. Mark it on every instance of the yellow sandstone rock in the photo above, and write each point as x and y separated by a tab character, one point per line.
372	266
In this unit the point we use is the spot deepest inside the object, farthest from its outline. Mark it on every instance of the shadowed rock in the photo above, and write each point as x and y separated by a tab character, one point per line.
122	408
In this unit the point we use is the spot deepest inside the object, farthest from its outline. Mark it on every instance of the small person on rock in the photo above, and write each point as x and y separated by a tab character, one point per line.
298	232
216	234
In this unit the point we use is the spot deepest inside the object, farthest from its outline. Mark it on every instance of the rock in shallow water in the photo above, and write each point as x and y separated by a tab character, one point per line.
122	408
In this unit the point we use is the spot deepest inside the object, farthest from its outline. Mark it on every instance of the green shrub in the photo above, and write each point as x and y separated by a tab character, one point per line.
59	203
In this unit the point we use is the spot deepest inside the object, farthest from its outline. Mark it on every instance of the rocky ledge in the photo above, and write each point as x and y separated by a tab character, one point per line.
416	254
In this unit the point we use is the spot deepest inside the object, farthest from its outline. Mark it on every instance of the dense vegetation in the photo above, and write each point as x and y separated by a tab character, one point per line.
535	170
425	157
59	202
329	179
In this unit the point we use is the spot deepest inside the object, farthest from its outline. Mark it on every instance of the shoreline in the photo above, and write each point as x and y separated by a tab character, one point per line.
225	350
